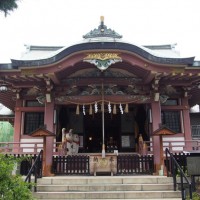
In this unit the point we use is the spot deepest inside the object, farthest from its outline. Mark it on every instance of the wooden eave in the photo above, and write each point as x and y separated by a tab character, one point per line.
147	70
181	78
163	131
145	63
41	132
8	99
135	64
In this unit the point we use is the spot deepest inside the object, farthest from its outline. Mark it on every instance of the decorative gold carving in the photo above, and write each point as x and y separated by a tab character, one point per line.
178	71
102	60
103	162
102	56
28	71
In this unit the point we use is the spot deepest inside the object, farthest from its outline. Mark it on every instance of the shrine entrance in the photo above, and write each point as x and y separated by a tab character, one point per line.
93	132
121	131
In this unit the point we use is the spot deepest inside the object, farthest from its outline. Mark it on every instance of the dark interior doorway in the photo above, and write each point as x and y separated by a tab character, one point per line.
93	131
118	128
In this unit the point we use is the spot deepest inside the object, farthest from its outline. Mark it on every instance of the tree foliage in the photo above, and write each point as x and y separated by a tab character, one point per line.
8	5
12	187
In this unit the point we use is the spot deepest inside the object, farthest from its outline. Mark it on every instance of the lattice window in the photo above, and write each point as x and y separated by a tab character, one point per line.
172	120
33	103
171	102
33	120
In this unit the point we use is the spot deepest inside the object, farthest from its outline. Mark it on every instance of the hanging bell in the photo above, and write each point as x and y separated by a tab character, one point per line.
126	108
90	110
77	110
114	109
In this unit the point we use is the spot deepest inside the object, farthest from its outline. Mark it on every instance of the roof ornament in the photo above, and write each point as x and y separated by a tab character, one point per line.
102	31
102	60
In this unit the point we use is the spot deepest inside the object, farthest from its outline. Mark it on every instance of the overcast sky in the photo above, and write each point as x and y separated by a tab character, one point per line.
64	22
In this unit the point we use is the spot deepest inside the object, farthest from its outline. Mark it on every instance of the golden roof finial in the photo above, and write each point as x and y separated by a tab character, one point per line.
102	18
102	31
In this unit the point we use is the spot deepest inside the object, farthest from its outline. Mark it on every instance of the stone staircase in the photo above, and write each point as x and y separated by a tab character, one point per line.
106	187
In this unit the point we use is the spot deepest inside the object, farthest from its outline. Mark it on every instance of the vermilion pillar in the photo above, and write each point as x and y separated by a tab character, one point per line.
17	124
186	123
156	121
48	121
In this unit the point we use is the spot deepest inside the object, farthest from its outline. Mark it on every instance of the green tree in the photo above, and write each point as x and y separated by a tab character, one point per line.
8	5
12	187
195	196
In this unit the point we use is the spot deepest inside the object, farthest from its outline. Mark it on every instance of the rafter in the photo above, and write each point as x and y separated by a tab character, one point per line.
150	76
54	78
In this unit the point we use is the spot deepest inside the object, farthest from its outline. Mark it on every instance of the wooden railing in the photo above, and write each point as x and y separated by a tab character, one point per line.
195	131
71	165
26	147
21	147
134	164
26	163
35	170
176	146
174	165
36	147
127	164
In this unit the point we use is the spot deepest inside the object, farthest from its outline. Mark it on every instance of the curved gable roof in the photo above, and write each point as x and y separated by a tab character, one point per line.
103	46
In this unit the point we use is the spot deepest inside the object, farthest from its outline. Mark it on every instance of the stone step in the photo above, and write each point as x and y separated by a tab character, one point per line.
128	199
105	187
108	195
66	180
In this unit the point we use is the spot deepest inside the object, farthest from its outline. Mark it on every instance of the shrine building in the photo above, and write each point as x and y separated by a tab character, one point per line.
110	92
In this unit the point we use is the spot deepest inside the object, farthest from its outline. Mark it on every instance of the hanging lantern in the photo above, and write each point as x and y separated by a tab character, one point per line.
3	88
77	110
126	108
90	110
114	109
